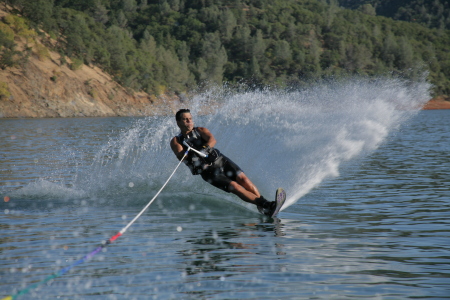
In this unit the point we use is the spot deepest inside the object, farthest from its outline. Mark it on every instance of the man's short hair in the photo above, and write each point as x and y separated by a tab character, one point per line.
180	112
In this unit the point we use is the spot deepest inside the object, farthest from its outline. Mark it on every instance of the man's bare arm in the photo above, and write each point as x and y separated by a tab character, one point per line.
207	136
177	148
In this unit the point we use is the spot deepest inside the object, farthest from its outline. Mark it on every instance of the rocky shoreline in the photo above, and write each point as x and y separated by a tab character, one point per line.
442	102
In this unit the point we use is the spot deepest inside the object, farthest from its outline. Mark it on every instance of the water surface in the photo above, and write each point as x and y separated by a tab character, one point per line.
367	213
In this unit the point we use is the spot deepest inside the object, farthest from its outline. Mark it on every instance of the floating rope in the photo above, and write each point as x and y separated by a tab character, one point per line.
98	249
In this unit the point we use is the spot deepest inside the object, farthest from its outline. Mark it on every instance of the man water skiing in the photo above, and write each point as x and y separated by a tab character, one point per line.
216	168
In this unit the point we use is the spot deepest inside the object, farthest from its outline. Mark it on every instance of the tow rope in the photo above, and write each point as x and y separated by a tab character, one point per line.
98	249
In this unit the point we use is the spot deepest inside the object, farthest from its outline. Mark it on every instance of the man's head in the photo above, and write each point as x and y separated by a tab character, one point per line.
184	120
180	112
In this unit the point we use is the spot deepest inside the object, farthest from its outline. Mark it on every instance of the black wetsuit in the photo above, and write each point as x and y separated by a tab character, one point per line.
216	169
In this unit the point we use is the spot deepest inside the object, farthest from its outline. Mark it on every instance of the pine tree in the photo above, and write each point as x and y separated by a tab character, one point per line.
215	57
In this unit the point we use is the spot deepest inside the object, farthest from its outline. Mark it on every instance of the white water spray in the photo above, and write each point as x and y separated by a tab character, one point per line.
290	139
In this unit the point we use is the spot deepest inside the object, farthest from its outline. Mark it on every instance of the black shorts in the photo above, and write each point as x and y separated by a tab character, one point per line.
221	173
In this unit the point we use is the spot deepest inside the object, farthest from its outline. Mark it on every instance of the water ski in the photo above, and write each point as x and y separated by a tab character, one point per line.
280	197
271	211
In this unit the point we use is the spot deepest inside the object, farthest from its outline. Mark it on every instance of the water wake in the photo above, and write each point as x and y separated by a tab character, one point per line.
293	139
290	139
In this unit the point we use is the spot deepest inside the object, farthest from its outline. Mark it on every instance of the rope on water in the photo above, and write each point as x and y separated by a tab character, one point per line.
98	249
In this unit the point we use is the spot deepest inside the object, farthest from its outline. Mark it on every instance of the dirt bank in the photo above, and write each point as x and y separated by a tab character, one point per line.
442	102
46	88
48	85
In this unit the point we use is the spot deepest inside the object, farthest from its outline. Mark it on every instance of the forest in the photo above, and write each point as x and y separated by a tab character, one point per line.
431	13
161	46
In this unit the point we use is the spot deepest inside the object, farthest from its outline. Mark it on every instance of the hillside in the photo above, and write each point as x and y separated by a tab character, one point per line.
43	86
44	89
176	46
47	89
41	80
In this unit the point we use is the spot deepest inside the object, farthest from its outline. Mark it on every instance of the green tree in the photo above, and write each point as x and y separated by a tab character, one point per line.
37	11
258	46
355	57
405	54
228	23
175	72
100	13
122	20
367	9
129	5
312	66
7	50
282	54
389	50
215	57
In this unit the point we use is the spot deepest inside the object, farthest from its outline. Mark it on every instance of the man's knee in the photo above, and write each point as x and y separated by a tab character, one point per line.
244	181
233	186
241	177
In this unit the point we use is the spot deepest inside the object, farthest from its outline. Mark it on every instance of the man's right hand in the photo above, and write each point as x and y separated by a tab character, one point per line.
206	150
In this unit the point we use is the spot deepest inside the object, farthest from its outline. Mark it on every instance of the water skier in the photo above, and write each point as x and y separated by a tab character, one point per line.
216	168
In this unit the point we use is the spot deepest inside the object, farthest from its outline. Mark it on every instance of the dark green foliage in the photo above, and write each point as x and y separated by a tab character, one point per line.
7	52
431	13
174	45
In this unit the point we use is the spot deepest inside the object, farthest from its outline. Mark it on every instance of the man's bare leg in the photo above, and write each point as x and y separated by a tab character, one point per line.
242	193
246	183
247	191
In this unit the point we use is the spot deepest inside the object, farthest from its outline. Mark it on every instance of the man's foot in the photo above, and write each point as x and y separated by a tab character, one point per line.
267	208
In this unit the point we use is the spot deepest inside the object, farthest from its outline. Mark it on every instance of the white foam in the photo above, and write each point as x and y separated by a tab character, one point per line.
290	139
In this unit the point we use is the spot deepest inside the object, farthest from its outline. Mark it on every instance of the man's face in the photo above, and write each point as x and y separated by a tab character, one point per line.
185	123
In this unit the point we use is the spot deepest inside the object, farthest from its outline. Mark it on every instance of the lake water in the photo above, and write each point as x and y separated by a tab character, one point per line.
367	215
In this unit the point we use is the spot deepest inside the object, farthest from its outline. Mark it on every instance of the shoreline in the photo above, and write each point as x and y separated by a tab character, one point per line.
438	103
441	102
